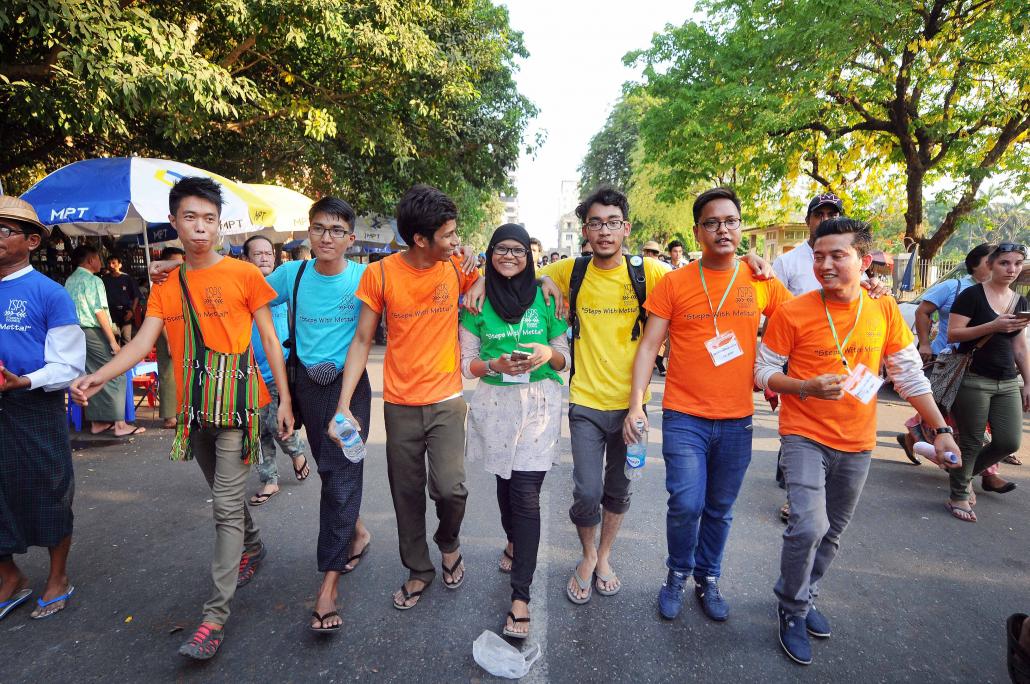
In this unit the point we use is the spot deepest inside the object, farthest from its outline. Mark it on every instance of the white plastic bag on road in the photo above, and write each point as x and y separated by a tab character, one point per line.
501	659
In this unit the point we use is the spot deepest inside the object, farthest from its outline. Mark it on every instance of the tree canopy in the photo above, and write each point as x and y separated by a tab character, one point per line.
873	99
355	97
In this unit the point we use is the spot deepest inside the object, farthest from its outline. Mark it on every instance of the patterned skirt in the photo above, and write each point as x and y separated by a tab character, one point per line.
36	479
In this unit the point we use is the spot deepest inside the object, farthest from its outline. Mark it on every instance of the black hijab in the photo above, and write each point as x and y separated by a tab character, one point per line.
510	297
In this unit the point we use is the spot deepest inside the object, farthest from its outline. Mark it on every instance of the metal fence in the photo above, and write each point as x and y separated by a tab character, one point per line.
927	272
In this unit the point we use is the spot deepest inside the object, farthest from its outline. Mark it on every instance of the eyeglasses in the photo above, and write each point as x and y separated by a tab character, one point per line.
7	231
712	225
337	232
1010	246
517	252
612	225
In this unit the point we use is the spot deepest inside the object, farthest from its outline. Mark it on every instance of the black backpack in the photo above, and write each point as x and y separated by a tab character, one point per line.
637	278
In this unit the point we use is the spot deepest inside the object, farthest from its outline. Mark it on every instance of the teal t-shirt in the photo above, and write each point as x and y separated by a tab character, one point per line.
327	310
497	336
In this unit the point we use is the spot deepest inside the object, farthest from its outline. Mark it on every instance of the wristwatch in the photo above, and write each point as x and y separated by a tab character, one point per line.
490	371
946	430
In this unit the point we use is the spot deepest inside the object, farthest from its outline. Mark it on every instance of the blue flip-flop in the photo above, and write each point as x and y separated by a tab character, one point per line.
15	601
43	604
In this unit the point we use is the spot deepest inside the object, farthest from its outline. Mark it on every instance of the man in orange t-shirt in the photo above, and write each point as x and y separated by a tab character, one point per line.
833	342
417	293
711	310
229	297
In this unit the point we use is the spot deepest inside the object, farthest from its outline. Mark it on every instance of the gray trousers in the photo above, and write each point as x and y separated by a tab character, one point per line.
598	464
218	451
107	405
823	488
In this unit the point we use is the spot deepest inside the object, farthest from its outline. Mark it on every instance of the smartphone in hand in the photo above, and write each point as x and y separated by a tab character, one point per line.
523	356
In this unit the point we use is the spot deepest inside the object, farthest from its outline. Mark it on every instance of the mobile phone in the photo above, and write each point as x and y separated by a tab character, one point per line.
523	356
1022	314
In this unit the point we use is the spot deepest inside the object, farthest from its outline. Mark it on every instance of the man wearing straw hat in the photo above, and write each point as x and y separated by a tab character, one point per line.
42	349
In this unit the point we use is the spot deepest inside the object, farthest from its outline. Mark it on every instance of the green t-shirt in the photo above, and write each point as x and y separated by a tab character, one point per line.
497	336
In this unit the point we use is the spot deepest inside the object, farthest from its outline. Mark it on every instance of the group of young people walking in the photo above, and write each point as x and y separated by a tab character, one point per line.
236	333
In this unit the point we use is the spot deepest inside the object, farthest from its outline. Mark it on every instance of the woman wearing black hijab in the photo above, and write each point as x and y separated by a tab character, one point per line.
517	346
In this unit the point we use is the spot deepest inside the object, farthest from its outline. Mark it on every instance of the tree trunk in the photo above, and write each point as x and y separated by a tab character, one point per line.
914	209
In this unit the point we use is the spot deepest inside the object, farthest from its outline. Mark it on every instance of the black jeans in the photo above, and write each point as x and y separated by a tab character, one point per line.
519	501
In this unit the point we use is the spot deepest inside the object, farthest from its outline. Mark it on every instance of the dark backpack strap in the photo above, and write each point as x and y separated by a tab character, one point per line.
638	278
291	341
579	271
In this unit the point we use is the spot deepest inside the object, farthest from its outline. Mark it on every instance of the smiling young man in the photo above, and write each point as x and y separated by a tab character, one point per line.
833	342
326	319
710	310
417	292
209	327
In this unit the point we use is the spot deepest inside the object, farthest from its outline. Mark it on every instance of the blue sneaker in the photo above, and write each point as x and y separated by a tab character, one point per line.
706	589
794	638
670	596
817	624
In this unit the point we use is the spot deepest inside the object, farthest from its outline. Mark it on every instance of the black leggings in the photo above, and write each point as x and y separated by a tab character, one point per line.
519	501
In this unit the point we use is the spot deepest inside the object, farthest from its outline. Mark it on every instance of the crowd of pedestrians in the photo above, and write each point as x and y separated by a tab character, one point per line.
256	351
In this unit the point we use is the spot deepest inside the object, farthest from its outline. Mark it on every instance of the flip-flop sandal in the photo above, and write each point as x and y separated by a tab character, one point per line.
450	571
135	429
15	601
785	512
43	604
299	472
516	620
1012	459
407	597
598	578
511	560
262	499
356	557
584	585
908	452
109	428
321	619
960	513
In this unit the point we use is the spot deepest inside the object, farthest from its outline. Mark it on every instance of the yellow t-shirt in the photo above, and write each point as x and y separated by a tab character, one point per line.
607	309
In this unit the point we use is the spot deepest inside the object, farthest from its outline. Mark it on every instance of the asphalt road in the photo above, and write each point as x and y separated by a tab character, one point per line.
913	596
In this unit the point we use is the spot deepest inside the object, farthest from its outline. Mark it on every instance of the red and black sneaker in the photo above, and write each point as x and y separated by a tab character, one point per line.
249	565
204	644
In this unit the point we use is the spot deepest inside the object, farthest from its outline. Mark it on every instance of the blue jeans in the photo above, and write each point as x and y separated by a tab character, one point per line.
705	463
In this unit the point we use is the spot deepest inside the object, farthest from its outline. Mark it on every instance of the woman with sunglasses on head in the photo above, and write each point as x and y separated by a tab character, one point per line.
517	346
990	391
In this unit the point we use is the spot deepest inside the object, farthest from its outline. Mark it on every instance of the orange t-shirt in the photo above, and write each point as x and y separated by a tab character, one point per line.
421	308
800	331
226	296
694	384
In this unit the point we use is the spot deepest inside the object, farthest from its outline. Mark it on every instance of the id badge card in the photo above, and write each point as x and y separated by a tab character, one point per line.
862	384
724	348
521	378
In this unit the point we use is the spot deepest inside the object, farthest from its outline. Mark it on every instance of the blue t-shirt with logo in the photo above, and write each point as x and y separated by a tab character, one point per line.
30	305
327	310
942	295
281	323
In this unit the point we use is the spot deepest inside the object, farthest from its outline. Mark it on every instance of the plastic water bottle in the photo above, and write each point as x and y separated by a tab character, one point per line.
353	447
927	451
636	453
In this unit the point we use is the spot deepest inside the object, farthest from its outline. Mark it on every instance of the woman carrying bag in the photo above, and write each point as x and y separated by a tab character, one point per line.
990	391
517	346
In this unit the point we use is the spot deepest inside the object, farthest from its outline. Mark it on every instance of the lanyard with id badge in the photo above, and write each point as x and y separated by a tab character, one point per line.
521	378
861	382
724	347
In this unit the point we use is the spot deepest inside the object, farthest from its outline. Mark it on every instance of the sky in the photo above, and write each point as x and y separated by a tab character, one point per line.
574	74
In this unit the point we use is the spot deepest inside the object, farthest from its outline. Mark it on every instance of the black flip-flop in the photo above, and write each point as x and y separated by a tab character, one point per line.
515	620
511	558
356	557
407	597
450	571
908	452
262	499
298	471
321	619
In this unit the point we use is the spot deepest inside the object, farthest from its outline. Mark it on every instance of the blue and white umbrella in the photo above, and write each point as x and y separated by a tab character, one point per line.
122	195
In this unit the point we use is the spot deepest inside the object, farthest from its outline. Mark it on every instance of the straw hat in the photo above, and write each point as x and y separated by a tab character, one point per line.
652	246
20	210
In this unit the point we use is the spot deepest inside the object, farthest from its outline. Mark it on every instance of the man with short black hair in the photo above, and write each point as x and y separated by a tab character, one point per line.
106	412
555	256
123	296
42	349
417	292
584	248
537	249
208	306
794	268
676	258
832	343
